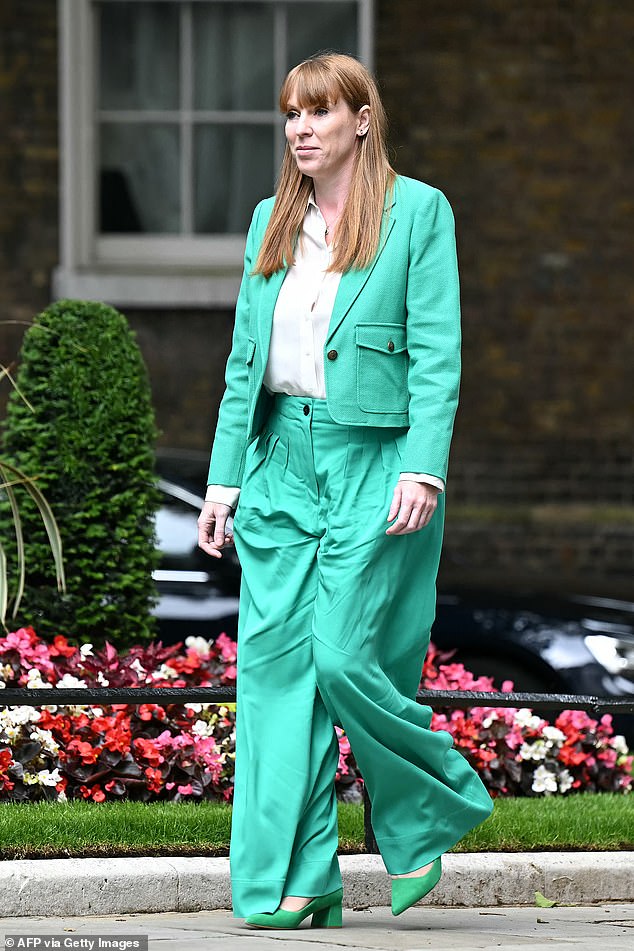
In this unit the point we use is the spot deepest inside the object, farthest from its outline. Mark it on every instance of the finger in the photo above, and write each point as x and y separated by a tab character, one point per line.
206	543
396	502
404	515
219	530
420	518
206	540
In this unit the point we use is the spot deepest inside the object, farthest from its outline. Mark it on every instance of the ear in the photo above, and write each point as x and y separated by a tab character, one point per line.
363	120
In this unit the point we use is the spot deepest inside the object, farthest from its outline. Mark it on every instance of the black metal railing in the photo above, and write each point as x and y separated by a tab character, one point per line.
89	696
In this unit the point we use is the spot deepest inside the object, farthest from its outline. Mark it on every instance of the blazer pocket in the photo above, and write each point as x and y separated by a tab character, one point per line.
250	351
382	363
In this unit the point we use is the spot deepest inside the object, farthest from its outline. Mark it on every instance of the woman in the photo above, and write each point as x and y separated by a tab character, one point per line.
334	432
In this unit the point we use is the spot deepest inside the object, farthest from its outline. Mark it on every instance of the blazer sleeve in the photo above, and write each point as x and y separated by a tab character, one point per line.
230	441
433	338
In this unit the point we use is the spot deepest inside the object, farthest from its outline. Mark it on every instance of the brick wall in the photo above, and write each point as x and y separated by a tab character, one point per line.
520	113
28	163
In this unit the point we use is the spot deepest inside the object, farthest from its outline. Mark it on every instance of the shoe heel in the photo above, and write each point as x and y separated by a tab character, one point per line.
330	917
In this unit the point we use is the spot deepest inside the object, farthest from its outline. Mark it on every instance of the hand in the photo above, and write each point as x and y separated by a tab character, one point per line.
215	528
414	503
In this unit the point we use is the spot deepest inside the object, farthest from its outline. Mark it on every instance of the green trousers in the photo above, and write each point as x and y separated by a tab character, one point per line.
335	619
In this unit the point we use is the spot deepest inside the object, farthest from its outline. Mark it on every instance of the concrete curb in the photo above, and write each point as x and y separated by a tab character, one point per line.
61	887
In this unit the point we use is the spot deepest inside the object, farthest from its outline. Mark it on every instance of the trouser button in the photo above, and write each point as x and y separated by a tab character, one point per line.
306	410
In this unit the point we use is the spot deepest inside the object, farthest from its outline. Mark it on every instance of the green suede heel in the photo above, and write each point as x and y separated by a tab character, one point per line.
325	911
407	891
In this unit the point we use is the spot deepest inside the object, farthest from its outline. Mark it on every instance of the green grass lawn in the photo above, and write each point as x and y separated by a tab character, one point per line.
58	830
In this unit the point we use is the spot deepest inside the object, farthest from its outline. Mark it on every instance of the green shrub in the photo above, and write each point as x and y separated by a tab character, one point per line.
88	438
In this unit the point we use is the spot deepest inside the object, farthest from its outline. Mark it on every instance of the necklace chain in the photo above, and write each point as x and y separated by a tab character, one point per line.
329	224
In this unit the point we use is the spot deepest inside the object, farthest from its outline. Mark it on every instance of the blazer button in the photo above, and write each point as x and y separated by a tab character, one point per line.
332	354
390	346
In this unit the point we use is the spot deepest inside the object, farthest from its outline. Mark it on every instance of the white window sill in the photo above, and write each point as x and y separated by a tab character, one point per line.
149	289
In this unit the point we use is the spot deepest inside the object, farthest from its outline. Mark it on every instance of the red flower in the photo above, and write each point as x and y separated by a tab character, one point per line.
118	739
61	647
96	793
188	664
85	751
155	780
148	751
148	710
571	756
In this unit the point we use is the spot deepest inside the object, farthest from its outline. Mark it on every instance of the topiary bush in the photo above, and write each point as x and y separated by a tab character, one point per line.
88	438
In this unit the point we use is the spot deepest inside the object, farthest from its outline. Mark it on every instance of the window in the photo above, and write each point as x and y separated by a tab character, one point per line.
171	134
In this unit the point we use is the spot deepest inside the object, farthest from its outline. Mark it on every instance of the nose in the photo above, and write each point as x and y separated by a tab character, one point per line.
303	126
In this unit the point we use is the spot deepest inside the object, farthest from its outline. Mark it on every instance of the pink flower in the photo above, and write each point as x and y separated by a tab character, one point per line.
609	757
228	648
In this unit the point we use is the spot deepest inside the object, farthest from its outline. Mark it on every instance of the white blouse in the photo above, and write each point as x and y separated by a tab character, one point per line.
300	327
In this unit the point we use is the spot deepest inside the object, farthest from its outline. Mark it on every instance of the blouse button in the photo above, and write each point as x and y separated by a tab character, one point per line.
332	354
390	346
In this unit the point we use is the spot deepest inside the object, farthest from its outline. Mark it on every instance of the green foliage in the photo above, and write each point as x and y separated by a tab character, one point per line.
87	438
10	477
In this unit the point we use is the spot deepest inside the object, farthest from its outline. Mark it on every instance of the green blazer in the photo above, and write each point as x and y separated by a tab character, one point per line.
392	354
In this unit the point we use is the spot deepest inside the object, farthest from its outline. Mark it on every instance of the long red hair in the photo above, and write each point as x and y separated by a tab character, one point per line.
319	82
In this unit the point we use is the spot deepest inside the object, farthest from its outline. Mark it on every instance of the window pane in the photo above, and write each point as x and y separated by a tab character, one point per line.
138	55
233	171
313	27
233	56
139	178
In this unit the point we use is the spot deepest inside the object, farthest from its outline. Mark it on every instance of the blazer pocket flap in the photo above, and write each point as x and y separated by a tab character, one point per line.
387	338
250	350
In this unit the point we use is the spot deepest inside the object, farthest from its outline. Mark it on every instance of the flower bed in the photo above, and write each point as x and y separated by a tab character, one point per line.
185	751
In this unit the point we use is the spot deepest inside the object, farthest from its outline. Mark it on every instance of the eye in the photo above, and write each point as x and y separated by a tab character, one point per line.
292	114
321	111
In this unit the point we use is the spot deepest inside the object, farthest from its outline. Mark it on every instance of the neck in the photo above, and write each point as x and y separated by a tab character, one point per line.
331	193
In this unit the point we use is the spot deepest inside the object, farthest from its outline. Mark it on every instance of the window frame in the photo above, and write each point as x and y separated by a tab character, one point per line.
139	270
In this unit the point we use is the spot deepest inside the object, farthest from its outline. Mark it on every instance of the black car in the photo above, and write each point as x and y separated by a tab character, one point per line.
573	644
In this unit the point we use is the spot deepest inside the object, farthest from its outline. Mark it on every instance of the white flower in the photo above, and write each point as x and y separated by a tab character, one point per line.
61	796
525	718
165	673
2	685
537	750
565	780
199	644
544	781
553	734
488	720
201	728
102	680
6	671
86	651
196	707
16	716
618	743
48	778
69	681
137	666
34	679
46	739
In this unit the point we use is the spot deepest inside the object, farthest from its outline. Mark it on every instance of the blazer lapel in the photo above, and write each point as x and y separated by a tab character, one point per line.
266	306
353	281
